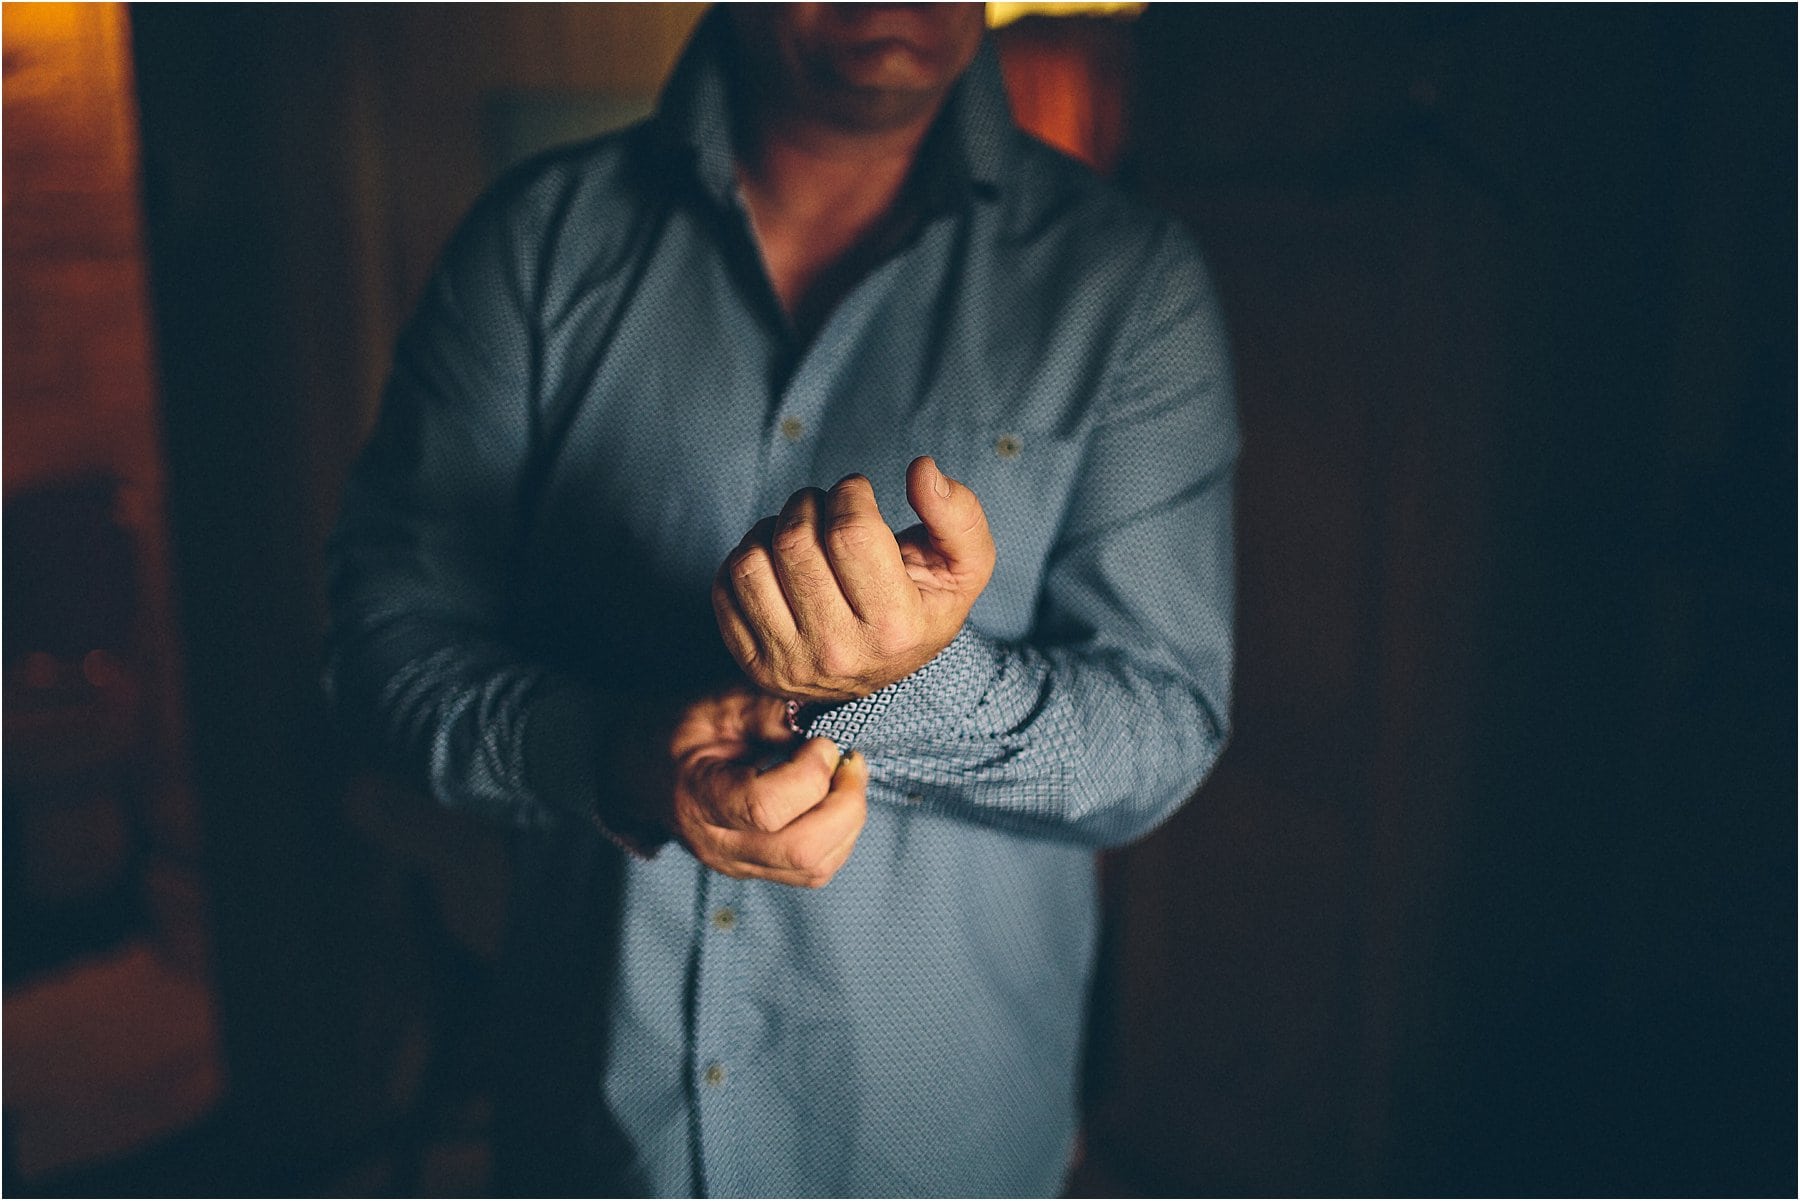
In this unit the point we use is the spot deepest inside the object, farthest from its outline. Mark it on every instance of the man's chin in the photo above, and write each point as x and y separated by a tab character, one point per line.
889	95
872	109
889	66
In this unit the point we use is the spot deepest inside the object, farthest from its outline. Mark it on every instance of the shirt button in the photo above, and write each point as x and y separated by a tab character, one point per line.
714	1075
1008	446
724	918
792	428
915	797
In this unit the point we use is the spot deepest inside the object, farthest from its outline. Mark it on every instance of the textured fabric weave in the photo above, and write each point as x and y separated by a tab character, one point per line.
598	396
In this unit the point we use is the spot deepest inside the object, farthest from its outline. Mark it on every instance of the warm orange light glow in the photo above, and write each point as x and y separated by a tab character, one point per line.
1067	83
35	22
999	14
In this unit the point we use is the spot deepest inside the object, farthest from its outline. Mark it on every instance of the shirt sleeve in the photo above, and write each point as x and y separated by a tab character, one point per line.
419	665
1098	725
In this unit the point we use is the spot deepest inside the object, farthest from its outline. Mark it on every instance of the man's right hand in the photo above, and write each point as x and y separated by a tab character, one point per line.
794	823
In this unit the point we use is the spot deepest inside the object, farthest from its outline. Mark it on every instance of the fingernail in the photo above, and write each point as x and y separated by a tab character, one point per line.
940	485
837	752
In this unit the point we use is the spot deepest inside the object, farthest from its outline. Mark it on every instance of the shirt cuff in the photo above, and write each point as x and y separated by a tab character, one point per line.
562	753
939	681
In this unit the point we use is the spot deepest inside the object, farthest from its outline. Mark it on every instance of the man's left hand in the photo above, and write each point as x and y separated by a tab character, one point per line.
825	603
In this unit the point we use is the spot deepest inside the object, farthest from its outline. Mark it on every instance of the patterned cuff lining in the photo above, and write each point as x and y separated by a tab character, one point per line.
845	724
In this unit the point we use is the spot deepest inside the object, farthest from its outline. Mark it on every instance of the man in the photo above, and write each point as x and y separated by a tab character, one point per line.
830	257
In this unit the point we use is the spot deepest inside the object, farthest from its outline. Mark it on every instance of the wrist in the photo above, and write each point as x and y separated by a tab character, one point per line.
584	757
561	763
851	721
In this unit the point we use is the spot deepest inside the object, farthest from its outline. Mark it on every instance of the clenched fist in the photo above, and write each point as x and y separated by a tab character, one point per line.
825	603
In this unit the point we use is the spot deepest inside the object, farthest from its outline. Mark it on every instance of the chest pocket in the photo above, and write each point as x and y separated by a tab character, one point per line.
1024	478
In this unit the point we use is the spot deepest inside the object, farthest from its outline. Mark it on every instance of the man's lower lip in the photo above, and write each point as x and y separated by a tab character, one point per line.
888	46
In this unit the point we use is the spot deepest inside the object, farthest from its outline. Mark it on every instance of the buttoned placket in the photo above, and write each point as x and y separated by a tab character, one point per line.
719	1047
799	403
800	410
792	430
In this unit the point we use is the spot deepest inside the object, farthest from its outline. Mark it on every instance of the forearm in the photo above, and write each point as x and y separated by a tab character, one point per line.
420	664
482	728
1087	744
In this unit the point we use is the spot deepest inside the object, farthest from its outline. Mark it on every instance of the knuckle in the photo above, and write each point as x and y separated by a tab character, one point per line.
793	540
850	535
856	481
825	872
853	494
693	784
800	508
802	499
754	813
745	554
757	535
762	811
805	858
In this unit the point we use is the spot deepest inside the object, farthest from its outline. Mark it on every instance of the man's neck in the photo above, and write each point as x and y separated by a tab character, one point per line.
825	202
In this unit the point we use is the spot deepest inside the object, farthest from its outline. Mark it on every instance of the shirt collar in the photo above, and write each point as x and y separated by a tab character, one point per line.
966	154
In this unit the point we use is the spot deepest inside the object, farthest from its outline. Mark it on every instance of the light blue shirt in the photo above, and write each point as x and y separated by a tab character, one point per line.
598	396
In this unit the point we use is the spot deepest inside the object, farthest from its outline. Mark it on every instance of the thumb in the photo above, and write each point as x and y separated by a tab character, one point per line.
852	772
953	519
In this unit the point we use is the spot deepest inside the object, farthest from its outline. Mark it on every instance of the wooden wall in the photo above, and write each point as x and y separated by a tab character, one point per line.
77	353
79	368
112	1037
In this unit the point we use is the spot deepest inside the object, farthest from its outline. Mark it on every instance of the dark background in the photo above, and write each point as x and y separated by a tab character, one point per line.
1494	891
